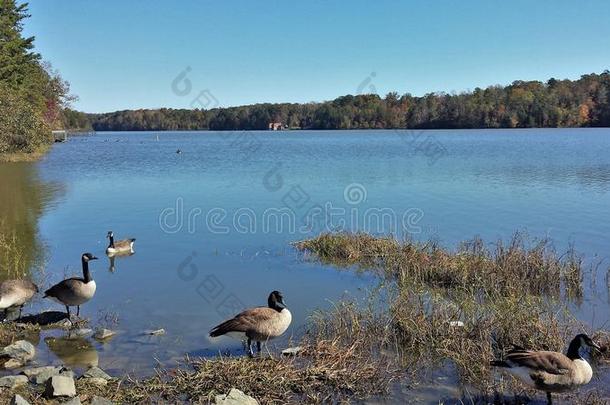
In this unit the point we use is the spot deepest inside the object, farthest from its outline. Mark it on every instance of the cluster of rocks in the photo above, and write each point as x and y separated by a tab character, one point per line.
58	382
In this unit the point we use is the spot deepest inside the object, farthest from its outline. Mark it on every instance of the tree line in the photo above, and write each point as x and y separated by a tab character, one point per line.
522	104
33	97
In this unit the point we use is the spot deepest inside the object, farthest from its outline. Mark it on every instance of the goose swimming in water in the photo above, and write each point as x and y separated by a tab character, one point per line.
259	324
75	291
15	293
119	246
551	371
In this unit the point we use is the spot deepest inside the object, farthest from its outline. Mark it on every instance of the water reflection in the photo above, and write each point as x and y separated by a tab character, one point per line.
73	351
112	259
23	199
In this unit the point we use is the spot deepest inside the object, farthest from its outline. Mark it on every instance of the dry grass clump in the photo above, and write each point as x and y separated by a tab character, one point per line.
519	265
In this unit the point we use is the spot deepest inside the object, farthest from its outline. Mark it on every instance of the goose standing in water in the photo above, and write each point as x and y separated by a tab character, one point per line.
259	324
15	293
551	371
74	291
119	246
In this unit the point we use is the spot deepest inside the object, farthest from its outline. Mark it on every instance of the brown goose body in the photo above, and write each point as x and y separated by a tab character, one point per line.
259	324
119	246
552	372
74	291
15	293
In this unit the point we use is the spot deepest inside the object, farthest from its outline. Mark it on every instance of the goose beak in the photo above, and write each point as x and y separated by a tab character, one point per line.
94	258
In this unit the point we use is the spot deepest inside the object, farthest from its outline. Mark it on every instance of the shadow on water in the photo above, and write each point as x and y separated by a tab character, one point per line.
24	198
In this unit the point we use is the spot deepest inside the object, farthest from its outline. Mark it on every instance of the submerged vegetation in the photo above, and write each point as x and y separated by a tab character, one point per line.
436	309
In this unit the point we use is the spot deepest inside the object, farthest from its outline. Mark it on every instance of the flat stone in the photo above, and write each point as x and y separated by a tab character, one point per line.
33	371
102	334
21	350
100	401
96	372
155	332
292	351
235	397
12	381
60	386
44	375
13	363
19	400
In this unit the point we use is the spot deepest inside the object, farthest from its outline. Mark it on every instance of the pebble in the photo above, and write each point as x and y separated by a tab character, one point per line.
155	332
21	350
104	333
12	363
96	372
235	397
292	351
12	381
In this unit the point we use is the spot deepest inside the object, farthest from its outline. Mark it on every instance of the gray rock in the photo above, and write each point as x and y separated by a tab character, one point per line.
155	332
60	386
100	401
44	375
292	351
73	401
19	400
12	363
21	350
100	382
80	333
12	381
102	334
96	372
235	397
33	371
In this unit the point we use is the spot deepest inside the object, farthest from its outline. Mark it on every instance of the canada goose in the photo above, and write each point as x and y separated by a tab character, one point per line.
550	371
119	246
260	324
74	291
15	293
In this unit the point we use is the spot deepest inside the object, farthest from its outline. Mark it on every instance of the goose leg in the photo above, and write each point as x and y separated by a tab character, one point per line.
68	311
258	347
250	354
77	311
20	309
549	399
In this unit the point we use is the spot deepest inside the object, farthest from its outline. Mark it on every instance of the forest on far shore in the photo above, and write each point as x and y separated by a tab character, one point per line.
522	104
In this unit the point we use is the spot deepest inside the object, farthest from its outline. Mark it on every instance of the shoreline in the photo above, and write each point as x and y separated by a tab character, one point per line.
19	157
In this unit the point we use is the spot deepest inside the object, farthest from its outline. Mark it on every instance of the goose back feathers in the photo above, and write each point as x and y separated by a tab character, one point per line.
16	293
260	323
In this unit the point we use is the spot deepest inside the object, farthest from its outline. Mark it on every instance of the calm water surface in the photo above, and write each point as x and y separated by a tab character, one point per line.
214	223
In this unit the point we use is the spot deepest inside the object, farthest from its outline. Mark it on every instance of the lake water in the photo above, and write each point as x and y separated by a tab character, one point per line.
214	223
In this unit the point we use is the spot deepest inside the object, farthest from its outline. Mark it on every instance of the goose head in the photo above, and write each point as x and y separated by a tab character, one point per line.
579	343
109	235
86	257
276	301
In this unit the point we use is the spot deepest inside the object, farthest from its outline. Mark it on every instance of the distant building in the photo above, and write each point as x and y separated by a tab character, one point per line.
275	126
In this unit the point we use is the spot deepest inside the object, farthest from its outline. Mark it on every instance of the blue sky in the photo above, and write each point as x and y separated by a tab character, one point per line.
126	54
